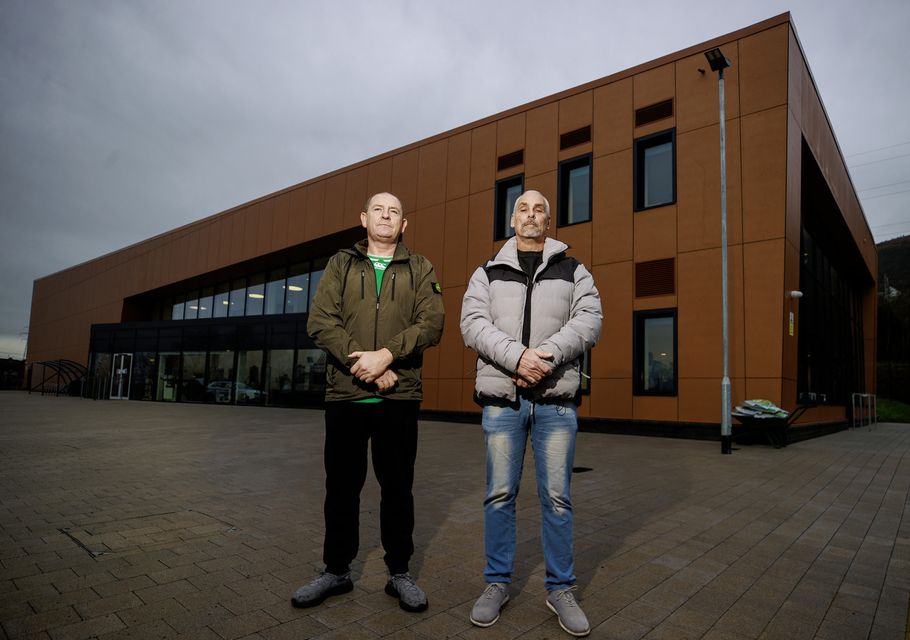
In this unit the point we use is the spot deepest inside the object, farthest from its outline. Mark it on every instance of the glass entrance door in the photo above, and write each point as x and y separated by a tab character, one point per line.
120	376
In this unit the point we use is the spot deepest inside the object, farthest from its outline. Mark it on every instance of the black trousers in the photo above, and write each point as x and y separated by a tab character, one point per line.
390	427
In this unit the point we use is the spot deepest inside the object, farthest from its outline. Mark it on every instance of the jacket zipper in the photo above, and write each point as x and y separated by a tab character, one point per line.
376	320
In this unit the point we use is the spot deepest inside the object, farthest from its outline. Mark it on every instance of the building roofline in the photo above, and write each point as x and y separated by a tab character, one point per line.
783	18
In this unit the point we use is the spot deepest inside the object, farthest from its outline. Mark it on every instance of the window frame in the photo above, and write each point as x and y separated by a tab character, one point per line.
500	201
562	188
638	334
639	145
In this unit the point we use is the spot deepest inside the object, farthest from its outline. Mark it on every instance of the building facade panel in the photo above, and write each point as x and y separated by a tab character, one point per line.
779	142
613	115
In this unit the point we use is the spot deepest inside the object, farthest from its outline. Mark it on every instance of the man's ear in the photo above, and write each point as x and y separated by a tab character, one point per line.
363	219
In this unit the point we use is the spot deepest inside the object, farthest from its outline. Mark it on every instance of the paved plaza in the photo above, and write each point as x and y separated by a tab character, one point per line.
151	520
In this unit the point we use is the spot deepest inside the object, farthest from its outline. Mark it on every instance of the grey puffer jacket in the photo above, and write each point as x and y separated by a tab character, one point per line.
565	320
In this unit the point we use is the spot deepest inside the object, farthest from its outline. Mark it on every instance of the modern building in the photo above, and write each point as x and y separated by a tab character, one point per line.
215	311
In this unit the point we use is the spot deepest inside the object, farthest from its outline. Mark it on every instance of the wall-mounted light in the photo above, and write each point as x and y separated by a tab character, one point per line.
795	295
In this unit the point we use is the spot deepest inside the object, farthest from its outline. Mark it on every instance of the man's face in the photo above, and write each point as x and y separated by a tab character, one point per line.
530	219
383	218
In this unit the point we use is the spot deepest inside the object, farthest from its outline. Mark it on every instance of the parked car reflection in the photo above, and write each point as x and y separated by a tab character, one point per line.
219	391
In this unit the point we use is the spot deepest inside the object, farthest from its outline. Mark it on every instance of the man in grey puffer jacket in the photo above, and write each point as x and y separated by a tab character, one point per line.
530	313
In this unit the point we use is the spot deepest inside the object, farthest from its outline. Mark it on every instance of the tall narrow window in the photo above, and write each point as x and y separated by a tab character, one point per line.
298	288
575	190
222	300
205	302
274	293
178	307
192	306
315	276
654	336
238	298
655	170
507	192
255	295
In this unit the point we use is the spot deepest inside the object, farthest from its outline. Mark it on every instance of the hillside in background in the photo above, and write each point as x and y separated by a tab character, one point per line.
894	262
893	379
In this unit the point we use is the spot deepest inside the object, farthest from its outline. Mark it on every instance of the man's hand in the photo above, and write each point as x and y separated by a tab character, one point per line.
387	380
533	366
370	365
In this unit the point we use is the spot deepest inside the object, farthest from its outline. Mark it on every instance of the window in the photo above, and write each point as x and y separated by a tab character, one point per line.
274	293
654	170
255	295
205	303
507	192
654	368
238	297
315	277
191	311
177	308
574	190
298	286
222	301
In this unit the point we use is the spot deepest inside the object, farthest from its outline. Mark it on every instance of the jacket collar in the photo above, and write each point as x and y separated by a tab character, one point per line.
402	254
508	255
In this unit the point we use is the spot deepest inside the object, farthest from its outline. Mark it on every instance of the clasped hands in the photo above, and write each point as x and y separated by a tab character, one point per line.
373	366
533	367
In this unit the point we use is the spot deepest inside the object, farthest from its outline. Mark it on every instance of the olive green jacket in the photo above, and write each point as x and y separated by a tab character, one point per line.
347	316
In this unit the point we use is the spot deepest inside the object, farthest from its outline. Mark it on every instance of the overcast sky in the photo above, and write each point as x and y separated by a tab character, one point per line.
123	119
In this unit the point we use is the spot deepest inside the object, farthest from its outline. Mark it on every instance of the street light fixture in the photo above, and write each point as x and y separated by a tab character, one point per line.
718	62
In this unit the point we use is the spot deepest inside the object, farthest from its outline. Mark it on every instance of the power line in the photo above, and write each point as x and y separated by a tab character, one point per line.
893	184
890	146
883	195
891	224
863	164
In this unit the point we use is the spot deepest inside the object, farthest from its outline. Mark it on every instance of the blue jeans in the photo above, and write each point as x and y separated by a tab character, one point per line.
552	428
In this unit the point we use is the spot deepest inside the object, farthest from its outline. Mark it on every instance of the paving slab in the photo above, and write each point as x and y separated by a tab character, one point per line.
152	520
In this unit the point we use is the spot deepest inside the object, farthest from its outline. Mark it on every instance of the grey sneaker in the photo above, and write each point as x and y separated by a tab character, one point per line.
321	587
571	618
410	596
491	601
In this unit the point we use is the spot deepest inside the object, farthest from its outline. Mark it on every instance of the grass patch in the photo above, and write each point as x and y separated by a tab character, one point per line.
893	411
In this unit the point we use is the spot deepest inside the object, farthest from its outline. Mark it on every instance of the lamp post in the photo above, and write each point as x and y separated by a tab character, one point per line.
718	62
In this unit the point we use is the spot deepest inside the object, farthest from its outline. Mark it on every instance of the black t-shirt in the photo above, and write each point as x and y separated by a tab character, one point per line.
529	261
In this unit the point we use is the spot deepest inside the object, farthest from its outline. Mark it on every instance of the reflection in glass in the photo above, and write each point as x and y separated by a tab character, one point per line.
205	303
658	365
309	376
315	277
221	377
238	298
579	194
298	287
168	371
191	310
658	174
192	387
274	293
101	376
177	309
222	301
248	381
512	194
143	380
281	363
255	295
